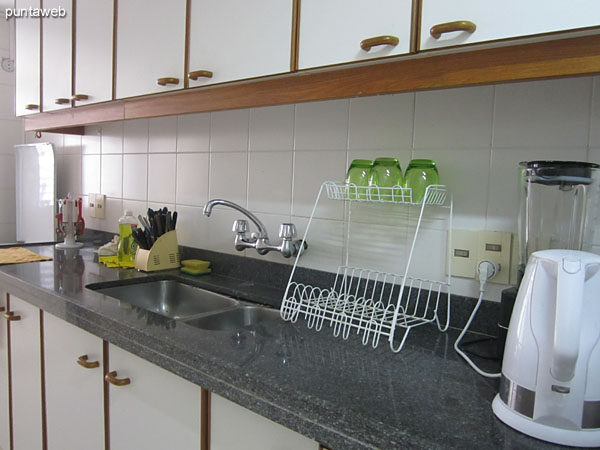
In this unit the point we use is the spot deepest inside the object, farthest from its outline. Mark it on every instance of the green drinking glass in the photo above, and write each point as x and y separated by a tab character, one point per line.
385	174
420	173
358	175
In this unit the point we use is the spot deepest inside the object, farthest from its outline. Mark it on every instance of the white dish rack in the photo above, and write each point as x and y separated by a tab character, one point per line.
374	303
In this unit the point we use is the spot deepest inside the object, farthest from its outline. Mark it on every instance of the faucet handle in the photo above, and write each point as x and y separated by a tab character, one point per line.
240	226
287	231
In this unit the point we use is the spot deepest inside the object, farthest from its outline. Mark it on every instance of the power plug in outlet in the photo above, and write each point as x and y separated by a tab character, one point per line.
100	203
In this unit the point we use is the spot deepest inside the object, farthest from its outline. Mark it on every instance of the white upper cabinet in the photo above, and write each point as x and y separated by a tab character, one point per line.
233	40
93	51
150	408
497	20
27	31
332	31
57	34
74	387
150	46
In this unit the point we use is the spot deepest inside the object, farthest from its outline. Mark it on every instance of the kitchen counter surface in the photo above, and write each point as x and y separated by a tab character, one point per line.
338	392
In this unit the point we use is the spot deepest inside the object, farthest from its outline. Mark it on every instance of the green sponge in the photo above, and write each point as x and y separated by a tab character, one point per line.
196	264
194	271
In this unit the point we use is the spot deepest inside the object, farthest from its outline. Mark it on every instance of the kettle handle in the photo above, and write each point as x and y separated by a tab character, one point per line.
570	280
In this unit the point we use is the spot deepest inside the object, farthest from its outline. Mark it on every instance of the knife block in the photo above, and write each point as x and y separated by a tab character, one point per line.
164	254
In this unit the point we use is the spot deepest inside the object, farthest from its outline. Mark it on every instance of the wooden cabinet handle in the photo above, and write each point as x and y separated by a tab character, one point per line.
2	309
61	101
368	44
83	362
200	74
32	107
460	25
78	97
167	80
111	377
10	316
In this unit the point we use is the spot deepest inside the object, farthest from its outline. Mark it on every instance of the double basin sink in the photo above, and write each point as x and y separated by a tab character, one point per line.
195	306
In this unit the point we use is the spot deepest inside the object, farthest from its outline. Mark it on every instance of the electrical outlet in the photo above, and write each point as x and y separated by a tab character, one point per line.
496	246
464	253
91	205
100	203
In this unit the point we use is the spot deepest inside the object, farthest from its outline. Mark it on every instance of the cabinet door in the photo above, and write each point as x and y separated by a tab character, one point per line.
4	428
252	432
505	19
57	35
93	51
150	46
331	31
236	40
27	63
74	387
26	374
156	410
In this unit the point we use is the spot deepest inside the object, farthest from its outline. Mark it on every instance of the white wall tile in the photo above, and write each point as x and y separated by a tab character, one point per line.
272	128
114	210
192	226
135	177
161	178
229	131
220	236
7	171
454	118
136	208
192	179
193	133
91	144
57	140
68	175
381	122
229	177
551	113
112	137
321	125
112	175
325	243
466	173
270	182
163	135
7	102
594	155
135	136
11	132
90	174
503	203
8	232
8	202
308	178
72	144
595	119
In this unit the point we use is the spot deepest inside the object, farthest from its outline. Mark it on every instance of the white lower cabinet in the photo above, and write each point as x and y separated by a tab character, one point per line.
233	427
26	374
74	387
150	408
4	426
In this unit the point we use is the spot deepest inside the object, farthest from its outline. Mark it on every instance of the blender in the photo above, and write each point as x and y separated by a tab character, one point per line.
559	204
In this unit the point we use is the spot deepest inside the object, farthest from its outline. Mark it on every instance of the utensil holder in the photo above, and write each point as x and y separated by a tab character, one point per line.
163	255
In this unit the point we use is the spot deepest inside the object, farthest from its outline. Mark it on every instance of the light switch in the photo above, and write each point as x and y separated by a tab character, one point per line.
91	205
100	203
464	253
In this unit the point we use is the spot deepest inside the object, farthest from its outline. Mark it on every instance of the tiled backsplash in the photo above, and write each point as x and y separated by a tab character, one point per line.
273	160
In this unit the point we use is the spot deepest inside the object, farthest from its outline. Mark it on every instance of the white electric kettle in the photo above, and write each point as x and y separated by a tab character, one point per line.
550	384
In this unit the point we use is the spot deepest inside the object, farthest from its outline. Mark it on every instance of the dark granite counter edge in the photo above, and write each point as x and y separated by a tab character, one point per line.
129	339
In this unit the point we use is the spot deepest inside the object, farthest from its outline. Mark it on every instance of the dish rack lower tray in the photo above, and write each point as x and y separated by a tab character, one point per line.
369	302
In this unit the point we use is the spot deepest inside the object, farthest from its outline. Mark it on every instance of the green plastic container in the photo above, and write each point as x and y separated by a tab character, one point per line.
358	174
386	173
420	173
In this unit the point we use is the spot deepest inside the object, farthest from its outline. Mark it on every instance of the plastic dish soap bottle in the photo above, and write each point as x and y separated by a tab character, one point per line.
127	246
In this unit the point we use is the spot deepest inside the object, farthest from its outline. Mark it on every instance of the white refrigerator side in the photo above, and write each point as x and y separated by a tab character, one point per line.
35	186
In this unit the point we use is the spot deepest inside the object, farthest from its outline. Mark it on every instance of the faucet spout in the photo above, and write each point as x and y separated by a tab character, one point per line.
262	230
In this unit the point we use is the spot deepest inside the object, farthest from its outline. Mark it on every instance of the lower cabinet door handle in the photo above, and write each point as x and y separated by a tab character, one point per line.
111	377
83	362
10	316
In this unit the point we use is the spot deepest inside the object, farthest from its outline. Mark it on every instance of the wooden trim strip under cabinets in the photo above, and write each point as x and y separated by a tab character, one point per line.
430	70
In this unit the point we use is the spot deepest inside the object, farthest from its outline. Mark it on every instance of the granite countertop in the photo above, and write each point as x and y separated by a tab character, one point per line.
338	392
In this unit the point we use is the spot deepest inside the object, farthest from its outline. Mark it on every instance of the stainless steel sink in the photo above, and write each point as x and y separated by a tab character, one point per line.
239	317
170	298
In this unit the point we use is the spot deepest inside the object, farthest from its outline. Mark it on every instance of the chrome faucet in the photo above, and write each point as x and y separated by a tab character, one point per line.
259	241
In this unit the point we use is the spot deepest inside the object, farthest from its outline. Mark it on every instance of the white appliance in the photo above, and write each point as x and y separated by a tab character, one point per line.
550	384
35	182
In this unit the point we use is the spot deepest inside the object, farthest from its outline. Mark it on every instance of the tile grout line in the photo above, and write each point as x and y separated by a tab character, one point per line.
490	155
